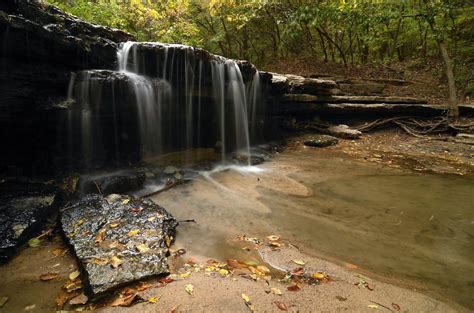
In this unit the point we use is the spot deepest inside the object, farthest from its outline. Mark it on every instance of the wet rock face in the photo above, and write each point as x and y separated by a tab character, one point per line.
24	207
118	239
118	182
321	141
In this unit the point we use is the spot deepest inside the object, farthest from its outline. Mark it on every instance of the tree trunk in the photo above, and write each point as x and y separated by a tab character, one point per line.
453	101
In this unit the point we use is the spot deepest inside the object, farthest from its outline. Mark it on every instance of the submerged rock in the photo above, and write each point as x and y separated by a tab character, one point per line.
117	182
321	141
118	239
24	207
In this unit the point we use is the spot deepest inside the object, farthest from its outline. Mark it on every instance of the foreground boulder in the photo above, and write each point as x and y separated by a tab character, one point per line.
24	208
321	141
118	239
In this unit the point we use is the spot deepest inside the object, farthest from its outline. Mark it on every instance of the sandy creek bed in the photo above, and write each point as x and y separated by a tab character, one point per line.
399	227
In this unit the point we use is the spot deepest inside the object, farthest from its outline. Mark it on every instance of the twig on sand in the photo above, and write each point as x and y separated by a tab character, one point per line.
98	188
188	221
169	186
382	305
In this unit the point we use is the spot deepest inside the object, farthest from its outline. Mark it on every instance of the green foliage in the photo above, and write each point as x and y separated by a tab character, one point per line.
347	31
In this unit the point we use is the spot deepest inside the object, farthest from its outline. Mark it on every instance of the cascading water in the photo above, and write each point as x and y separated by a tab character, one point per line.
163	98
253	100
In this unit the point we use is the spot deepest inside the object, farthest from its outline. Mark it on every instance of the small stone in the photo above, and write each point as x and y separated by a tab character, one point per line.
321	141
344	131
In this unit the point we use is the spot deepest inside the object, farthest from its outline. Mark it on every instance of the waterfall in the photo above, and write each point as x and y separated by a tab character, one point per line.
253	100
162	98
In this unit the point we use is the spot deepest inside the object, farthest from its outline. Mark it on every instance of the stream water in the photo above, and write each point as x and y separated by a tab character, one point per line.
410	228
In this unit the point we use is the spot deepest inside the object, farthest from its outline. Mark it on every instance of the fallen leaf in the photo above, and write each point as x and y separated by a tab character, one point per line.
299	262
80	299
318	275
248	303
298	271
263	269
30	307
34	242
168	241
281	306
125	201
49	276
3	300
223	272
74	275
99	237
373	306
152	299
142	286
133	232
341	298
396	307
251	263
115	261
275	244
73	285
273	238
142	248
351	266
98	261
293	288
234	263
60	252
61	299
125	299
276	291
114	224
189	288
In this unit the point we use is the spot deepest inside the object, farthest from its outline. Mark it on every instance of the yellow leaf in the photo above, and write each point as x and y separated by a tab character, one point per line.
245	297
168	241
114	224
189	288
318	276
185	275
263	269
74	275
133	232
125	201
115	261
373	306
299	262
276	291
223	272
152	299
142	248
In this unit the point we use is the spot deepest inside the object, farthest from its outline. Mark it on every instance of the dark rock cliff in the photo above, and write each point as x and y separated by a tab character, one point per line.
39	48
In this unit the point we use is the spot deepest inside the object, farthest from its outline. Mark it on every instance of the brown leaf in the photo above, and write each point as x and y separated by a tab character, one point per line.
64	297
99	237
49	276
396	307
340	298
80	299
72	285
60	252
234	263
281	305
297	271
165	281
143	286
293	288
125	299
